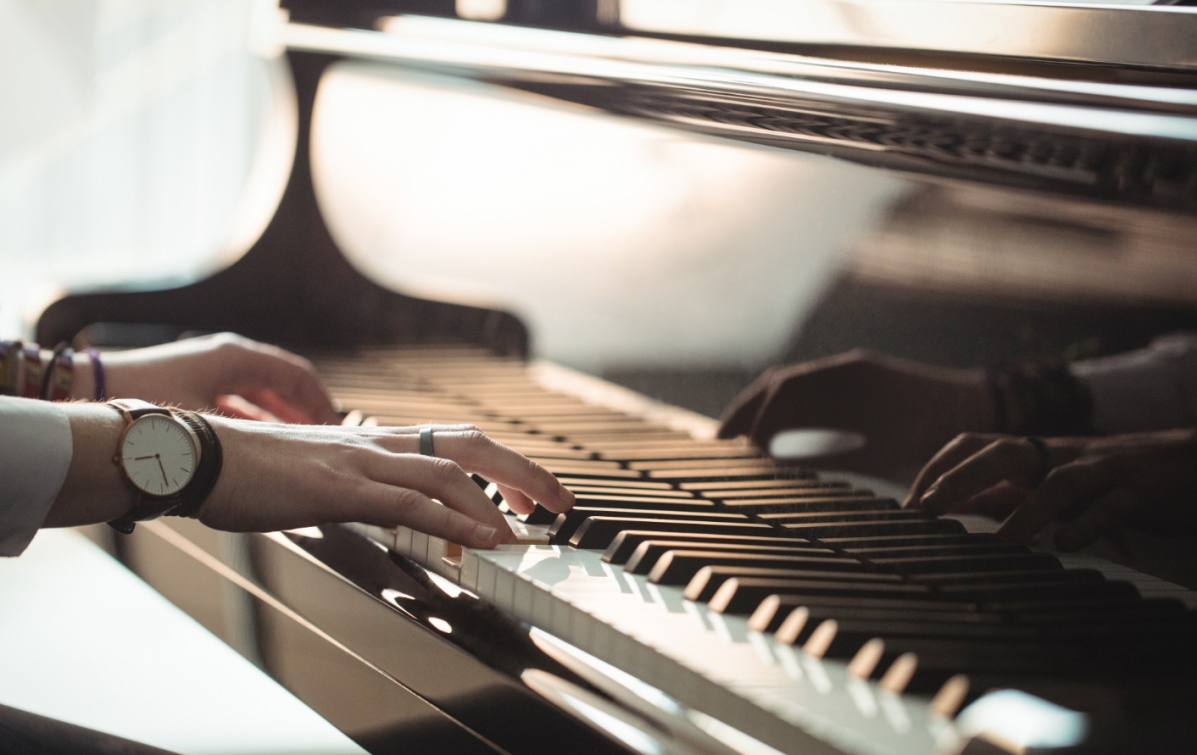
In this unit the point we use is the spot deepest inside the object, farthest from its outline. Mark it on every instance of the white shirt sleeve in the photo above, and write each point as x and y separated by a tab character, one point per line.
35	452
1149	389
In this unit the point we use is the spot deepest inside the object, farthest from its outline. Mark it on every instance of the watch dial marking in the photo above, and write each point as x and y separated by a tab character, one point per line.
153	445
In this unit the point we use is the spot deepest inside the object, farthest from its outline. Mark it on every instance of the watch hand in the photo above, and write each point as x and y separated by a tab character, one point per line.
143	458
164	481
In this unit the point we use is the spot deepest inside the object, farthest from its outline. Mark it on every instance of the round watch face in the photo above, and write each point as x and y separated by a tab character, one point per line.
158	455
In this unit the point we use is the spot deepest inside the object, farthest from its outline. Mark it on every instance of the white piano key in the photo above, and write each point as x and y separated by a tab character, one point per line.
403	536
504	595
651	632
419	547
469	572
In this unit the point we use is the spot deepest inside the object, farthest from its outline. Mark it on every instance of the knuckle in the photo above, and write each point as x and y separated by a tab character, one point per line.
446	471
968	439
229	344
1008	447
406	501
473	436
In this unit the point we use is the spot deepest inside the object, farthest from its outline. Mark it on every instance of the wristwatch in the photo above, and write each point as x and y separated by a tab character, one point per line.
171	458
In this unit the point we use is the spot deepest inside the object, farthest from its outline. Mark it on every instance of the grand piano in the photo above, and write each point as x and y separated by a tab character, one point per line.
706	598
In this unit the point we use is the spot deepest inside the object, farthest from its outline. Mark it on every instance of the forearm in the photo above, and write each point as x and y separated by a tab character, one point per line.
93	490
1149	389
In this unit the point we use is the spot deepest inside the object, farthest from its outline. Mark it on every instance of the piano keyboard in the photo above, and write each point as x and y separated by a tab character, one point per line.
810	614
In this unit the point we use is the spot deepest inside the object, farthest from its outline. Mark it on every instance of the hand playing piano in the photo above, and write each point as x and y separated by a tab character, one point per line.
239	377
904	410
1094	487
286	476
279	476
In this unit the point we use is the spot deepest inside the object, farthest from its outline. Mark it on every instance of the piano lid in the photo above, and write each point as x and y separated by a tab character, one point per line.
1119	33
1115	142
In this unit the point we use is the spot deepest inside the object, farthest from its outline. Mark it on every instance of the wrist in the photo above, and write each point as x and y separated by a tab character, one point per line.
93	491
84	385
978	410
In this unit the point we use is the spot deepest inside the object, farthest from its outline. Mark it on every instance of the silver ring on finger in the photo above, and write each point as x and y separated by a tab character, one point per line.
426	447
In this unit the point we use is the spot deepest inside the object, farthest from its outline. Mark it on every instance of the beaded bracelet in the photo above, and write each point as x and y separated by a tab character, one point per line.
60	374
29	372
34	371
97	371
11	355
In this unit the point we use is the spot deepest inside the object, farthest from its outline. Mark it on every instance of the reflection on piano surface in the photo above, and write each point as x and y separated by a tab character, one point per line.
702	597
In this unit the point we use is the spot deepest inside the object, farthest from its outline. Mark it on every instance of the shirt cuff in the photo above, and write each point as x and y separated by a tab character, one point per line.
35	453
1149	389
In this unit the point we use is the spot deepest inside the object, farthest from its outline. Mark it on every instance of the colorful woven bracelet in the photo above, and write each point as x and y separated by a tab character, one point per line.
34	371
10	367
60	374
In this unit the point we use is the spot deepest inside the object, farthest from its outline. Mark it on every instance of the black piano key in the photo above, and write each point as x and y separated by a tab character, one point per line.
540	515
864	630
1038	591
820	530
806	483
679	567
679	453
578	471
634	486
767	618
649	552
912	540
880	510
774	609
1008	577
742	595
602	489
706	465
567	523
585	437
750	494
775	509
971	563
629	541
598	531
929	625
1031	657
731	474
932	551
709	579
632	500
1149	609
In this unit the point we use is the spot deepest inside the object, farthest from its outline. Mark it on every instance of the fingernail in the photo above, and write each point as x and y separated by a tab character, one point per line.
485	533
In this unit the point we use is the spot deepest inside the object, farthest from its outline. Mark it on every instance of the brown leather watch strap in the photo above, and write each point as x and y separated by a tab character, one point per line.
133	408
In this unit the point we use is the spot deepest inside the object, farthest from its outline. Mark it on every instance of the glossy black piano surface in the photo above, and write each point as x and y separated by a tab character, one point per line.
1024	194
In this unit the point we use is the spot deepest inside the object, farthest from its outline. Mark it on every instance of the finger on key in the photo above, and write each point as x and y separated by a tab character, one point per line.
1104	515
391	506
1066	486
1006	459
517	501
954	453
501	465
440	479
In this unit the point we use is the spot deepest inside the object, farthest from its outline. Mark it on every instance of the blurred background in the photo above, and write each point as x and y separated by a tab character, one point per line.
145	145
